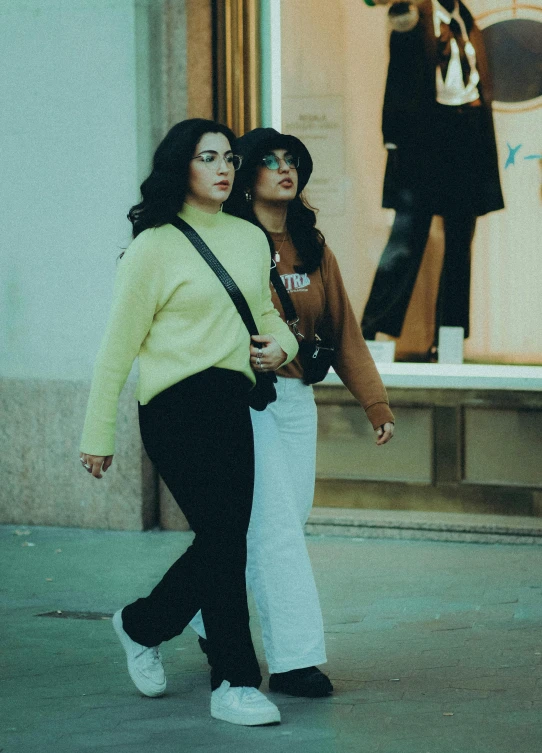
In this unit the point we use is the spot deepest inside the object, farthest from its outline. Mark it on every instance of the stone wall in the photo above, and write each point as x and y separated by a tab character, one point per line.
93	87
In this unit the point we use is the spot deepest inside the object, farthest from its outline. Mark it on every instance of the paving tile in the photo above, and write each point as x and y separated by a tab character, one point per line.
433	648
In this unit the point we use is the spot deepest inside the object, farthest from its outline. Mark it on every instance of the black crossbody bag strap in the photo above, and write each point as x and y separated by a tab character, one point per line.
229	283
286	302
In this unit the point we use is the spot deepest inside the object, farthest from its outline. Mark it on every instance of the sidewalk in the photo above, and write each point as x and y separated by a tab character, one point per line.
433	647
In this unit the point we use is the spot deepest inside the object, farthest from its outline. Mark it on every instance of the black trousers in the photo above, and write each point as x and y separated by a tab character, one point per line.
400	263
199	435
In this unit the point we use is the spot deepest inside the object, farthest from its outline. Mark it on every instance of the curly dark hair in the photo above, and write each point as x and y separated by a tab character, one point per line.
163	192
308	241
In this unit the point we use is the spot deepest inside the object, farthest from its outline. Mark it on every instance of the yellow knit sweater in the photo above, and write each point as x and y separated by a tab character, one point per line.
170	310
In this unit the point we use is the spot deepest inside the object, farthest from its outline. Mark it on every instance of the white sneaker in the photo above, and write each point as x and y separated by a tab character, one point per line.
144	664
242	705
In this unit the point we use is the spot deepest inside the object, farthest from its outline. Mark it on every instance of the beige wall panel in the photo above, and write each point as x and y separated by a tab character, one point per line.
503	447
43	482
346	446
369	495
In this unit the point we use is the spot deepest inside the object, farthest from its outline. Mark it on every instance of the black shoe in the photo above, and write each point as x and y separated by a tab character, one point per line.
308	682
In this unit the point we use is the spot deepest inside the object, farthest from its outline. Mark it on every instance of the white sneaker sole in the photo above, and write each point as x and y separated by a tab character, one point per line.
257	719
141	683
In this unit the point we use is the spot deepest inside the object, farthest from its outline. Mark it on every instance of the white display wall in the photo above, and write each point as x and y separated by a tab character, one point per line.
334	60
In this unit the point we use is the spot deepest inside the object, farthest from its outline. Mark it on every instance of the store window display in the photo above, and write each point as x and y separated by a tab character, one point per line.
442	159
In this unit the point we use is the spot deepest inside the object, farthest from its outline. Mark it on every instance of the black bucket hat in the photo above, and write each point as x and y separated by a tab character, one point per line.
254	145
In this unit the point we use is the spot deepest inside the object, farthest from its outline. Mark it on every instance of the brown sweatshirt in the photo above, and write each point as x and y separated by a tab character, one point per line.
324	291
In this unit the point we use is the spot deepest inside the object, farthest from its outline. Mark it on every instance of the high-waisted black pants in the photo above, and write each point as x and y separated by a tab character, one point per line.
199	435
439	170
398	268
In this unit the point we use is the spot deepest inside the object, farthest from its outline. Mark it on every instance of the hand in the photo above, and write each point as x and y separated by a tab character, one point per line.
403	15
95	463
384	433
267	358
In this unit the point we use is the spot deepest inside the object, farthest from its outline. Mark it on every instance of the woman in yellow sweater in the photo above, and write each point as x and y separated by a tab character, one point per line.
268	192
171	311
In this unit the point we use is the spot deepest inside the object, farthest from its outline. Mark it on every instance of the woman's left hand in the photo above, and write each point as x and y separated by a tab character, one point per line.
384	433
267	358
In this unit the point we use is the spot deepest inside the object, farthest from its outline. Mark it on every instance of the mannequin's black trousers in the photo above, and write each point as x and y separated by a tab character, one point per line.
199	435
399	265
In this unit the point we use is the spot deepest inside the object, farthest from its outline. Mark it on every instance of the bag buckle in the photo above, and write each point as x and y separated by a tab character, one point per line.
293	326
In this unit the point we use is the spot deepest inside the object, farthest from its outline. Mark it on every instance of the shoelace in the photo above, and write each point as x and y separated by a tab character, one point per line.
156	656
152	655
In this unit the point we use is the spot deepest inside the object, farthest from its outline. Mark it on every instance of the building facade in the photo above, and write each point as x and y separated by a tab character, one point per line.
92	87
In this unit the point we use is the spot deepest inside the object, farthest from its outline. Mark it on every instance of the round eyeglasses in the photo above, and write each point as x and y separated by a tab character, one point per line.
272	162
212	160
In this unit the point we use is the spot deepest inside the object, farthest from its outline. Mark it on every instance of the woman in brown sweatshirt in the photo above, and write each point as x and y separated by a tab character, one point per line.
267	192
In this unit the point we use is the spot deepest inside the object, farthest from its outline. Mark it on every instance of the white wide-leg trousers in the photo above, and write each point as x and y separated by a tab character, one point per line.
279	571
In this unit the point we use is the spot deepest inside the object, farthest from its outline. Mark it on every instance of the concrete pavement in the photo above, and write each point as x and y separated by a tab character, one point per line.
433	647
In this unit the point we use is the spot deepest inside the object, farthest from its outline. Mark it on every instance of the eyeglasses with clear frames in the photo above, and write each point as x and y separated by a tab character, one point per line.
212	160
272	162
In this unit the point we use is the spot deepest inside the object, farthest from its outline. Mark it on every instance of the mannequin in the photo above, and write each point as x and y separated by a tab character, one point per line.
442	159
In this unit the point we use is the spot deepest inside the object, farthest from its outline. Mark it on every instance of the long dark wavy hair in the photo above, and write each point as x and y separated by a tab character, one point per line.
308	241
164	191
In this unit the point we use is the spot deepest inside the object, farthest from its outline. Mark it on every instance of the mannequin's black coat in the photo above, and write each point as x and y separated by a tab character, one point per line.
409	112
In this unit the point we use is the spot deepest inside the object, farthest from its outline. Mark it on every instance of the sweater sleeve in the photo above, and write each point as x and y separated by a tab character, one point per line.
270	320
135	301
353	361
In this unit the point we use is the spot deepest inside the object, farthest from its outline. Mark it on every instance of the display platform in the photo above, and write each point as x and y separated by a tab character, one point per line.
468	439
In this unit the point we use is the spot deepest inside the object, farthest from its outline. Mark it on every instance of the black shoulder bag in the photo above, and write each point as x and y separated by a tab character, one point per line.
315	357
264	391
